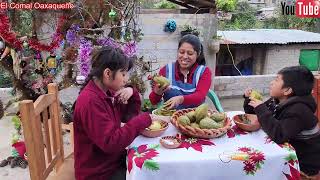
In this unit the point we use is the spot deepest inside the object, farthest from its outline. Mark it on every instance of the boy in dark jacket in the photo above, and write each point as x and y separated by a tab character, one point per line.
288	116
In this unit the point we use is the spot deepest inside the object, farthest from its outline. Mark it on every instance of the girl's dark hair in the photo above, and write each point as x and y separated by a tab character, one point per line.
197	46
299	78
108	57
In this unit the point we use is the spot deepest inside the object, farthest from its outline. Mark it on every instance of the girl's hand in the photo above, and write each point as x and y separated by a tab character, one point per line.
160	90
254	102
174	102
247	92
124	94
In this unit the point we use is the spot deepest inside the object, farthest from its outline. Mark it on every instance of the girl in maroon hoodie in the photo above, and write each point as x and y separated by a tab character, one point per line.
100	141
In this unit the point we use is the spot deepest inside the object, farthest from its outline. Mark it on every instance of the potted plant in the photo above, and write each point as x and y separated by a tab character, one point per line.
214	45
187	29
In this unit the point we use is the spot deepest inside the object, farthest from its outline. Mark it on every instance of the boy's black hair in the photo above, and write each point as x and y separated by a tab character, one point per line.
299	79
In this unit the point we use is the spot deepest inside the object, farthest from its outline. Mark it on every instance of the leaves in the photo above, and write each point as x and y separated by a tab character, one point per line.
291	157
154	146
226	5
16	122
165	5
151	165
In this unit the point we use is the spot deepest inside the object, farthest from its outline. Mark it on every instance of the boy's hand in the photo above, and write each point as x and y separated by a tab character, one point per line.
124	94
254	102
160	90
247	92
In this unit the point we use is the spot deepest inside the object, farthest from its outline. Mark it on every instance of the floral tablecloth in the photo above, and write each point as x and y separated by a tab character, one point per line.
236	155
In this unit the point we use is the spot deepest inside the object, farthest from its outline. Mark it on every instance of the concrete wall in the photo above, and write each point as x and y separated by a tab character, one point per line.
278	57
230	86
161	47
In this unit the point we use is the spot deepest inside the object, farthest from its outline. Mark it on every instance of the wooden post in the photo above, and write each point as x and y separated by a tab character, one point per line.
32	130
55	118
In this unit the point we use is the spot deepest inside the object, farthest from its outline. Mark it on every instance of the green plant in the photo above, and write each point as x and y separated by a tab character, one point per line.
290	22
5	78
226	5
165	5
243	18
188	29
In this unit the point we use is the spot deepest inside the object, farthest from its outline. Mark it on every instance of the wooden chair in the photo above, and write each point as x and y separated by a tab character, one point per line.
42	131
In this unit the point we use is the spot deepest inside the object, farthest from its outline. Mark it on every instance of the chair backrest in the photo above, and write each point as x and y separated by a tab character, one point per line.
214	98
42	133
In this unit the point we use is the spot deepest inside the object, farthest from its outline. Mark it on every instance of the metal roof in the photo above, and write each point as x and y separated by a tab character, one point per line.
268	36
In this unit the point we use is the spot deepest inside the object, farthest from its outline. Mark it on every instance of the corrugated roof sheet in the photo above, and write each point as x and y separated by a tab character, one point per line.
268	36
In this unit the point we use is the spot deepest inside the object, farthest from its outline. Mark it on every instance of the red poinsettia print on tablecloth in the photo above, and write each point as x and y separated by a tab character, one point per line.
294	173
291	159
254	161
195	143
142	157
235	131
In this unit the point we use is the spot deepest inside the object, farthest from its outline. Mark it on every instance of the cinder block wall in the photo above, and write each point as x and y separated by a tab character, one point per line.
278	57
230	86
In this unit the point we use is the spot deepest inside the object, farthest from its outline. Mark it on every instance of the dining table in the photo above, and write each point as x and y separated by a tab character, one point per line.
236	155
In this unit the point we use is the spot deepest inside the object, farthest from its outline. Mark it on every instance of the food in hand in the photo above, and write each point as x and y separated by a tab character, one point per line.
162	81
256	95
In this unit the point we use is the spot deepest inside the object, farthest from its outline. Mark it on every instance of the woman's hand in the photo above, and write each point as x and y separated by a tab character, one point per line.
174	102
254	102
124	94
160	90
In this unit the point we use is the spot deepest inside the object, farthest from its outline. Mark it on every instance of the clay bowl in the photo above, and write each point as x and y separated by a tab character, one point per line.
170	142
156	133
247	122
